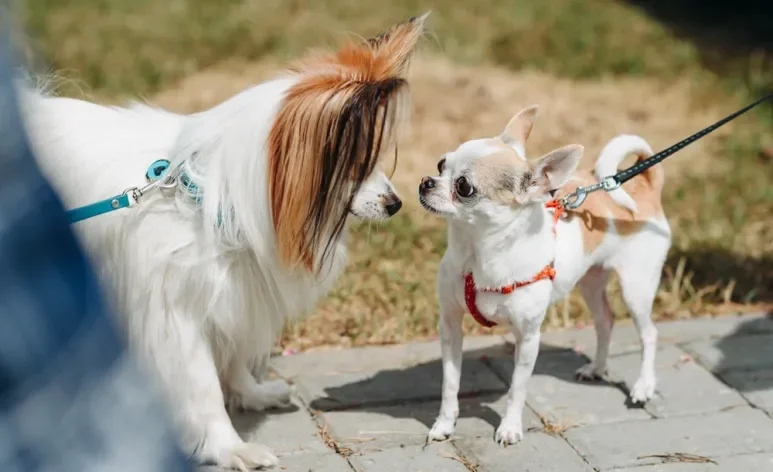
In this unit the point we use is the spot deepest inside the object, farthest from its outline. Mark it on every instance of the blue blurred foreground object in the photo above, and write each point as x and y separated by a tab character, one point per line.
71	398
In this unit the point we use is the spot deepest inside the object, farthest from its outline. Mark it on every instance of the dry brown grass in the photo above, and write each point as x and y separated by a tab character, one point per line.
596	68
328	439
467	463
556	428
388	296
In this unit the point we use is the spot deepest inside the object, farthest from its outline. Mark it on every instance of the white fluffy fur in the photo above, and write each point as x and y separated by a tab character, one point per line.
203	300
502	244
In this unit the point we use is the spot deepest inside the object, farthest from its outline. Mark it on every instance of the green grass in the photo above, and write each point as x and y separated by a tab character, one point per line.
140	46
723	221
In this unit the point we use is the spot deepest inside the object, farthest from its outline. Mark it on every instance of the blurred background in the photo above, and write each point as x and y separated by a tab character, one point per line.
662	69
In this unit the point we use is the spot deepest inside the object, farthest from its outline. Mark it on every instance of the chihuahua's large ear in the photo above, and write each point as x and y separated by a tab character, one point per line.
551	172
399	42
518	129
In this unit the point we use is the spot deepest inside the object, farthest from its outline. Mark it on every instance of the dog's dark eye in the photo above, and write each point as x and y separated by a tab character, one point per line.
463	187
441	165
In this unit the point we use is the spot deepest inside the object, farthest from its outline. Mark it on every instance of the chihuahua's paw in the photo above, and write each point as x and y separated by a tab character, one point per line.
643	390
509	432
589	372
442	429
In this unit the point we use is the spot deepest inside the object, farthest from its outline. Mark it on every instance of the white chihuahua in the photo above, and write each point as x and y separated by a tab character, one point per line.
513	250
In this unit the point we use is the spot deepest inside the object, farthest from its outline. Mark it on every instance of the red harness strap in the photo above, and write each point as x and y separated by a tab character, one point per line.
549	272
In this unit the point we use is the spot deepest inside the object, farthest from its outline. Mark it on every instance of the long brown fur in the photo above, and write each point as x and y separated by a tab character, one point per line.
347	109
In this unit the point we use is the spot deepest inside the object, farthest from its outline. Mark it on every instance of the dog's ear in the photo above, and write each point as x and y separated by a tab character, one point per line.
518	129
399	42
550	172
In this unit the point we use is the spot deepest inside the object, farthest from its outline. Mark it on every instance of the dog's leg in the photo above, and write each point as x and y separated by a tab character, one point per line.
639	285
527	338
260	368
450	327
187	366
593	287
245	392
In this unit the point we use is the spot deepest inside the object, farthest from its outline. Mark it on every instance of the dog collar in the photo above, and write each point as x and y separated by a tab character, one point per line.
548	272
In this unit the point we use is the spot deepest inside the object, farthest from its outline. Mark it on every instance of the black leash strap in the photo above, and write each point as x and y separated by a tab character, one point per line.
610	183
634	170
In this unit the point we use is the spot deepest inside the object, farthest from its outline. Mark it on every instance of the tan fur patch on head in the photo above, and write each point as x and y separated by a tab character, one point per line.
328	135
499	176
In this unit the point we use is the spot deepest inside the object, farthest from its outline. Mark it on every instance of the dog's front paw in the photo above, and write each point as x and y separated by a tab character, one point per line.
589	372
442	429
509	432
277	393
643	390
249	456
261	396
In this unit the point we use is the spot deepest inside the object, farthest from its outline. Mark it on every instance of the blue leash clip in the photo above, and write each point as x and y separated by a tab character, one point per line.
157	170
127	199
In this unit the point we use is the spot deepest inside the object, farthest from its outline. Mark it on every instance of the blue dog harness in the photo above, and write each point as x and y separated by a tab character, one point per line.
156	177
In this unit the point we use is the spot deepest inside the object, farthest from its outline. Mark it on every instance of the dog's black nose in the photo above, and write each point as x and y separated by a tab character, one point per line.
427	183
394	207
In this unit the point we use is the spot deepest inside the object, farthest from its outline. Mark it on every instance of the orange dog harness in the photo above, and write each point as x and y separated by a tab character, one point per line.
549	272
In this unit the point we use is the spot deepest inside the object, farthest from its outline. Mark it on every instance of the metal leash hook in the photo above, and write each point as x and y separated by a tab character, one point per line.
576	198
136	193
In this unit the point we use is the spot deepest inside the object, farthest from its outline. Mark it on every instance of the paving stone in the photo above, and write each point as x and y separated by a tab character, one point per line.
419	382
625	338
684	387
314	462
755	385
741	430
367	359
744	463
408	424
706	327
433	458
329	462
555	395
286	432
747	352
673	467
538	452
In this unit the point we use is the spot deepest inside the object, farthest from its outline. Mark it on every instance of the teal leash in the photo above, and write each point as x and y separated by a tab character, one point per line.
125	200
155	175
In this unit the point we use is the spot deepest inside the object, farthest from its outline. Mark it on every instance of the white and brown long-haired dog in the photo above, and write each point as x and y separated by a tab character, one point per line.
511	254
207	274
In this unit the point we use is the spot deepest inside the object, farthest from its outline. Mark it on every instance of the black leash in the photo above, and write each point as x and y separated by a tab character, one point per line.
576	198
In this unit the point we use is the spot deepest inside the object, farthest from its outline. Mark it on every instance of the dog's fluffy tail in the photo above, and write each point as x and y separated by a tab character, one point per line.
614	153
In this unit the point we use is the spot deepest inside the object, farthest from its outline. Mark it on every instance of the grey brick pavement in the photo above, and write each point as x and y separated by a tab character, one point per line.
369	409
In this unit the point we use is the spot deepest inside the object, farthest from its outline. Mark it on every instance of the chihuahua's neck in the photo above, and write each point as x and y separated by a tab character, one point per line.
513	252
